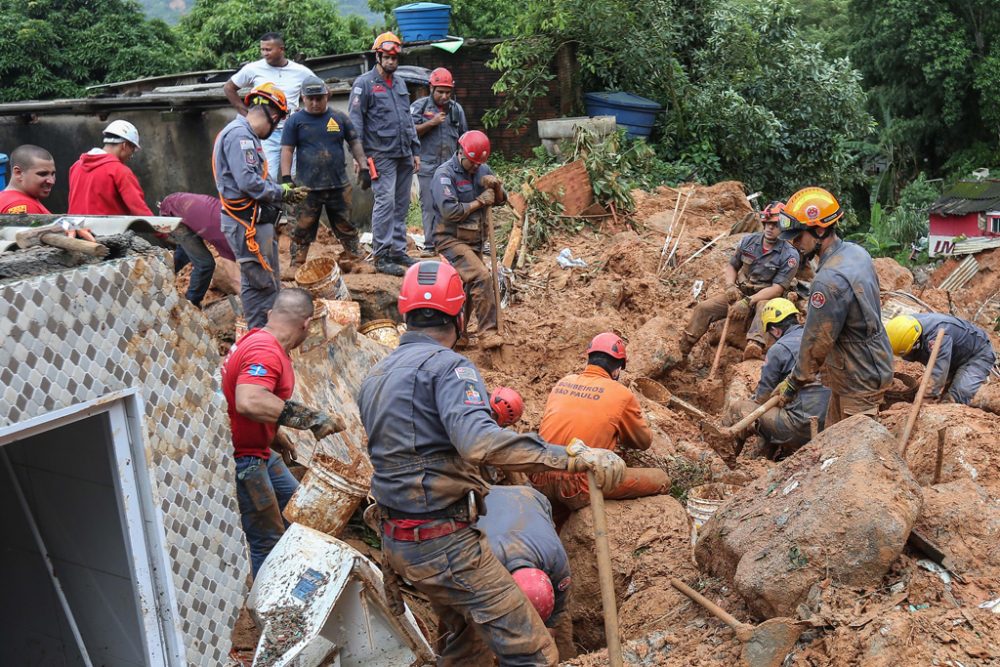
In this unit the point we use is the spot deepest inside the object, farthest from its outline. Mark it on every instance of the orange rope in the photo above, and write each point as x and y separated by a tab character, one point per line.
231	206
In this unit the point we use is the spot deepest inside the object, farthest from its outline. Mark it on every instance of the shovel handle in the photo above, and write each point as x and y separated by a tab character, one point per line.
716	610
604	574
718	351
911	419
752	417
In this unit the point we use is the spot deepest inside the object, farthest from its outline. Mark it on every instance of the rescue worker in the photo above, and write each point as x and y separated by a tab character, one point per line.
100	182
250	199
843	332
464	187
440	121
506	405
380	110
784	429
258	381
518	525
274	68
762	268
429	430
964	361
315	136
595	407
32	176
200	222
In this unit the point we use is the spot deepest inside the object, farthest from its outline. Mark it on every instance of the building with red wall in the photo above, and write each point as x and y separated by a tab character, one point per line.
969	210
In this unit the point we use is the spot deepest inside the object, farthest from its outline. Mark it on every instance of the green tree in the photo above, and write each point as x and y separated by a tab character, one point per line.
55	48
225	33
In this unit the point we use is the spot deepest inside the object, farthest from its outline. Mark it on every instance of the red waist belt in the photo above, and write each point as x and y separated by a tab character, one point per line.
404	530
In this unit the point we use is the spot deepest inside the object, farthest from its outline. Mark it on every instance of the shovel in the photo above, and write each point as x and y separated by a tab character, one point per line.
765	645
655	391
608	601
752	417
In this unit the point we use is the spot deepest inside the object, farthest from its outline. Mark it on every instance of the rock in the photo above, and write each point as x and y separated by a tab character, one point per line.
649	540
377	293
744	377
961	518
653	348
892	276
226	278
840	508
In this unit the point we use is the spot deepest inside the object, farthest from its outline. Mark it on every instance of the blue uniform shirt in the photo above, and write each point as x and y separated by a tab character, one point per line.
761	268
439	143
239	164
427	414
454	189
318	141
963	341
381	116
844	331
518	525
812	400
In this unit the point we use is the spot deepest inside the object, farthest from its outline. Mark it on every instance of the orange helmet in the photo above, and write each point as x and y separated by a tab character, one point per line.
267	93
809	208
387	42
772	212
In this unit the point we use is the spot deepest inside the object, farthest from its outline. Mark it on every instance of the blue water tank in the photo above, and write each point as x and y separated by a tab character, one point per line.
3	170
636	114
423	21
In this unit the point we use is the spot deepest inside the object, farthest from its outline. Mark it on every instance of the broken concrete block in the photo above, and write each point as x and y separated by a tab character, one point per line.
840	508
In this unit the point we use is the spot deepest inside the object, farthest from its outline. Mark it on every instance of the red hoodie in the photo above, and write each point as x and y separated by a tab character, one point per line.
100	184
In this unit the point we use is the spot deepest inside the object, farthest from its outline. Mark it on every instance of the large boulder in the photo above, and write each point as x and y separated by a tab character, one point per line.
653	348
649	540
841	508
892	276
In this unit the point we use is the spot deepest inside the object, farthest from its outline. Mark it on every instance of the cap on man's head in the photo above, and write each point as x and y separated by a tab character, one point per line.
313	85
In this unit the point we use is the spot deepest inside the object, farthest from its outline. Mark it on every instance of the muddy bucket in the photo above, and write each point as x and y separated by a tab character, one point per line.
241	328
325	500
383	331
322	278
704	500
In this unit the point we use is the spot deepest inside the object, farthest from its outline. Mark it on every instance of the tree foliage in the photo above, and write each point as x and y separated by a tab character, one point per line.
55	48
225	33
746	96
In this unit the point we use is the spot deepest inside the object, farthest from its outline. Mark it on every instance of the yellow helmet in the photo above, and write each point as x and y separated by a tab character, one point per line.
777	311
904	332
809	207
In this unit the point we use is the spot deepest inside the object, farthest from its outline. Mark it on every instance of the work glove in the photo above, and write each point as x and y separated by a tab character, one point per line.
287	178
365	179
608	467
786	389
487	198
739	310
291	194
299	416
733	294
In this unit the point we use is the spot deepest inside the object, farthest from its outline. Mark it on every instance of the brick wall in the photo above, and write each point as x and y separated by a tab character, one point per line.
474	90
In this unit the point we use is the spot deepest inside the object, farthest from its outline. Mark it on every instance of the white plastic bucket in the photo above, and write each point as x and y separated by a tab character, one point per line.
322	278
325	501
704	500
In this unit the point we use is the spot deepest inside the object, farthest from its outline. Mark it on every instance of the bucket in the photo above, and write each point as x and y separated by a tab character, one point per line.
423	21
241	328
322	278
383	331
704	500
325	500
636	114
344	313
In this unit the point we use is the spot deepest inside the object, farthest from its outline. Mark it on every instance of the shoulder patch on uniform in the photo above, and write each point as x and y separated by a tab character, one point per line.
246	143
357	90
564	584
792	262
250	156
817	300
466	373
257	370
445	180
472	395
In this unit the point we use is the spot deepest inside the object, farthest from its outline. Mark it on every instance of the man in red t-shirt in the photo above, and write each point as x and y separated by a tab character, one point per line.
33	173
258	381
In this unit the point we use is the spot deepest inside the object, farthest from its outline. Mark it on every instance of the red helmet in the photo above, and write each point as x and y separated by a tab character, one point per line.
608	343
433	285
441	78
507	405
475	146
772	212
537	587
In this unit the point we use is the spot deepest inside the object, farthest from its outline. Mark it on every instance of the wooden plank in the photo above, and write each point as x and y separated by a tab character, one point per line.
570	185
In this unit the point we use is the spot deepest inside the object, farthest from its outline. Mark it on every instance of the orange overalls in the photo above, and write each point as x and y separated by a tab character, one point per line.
602	413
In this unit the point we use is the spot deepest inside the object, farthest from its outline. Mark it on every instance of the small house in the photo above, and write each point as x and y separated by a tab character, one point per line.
969	211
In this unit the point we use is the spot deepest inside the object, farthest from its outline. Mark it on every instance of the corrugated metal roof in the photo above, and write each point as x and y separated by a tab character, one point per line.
969	197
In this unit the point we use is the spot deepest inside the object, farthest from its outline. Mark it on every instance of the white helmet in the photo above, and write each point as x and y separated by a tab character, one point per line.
122	129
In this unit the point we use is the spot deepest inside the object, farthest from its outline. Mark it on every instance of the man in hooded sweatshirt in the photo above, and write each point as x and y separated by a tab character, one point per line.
101	184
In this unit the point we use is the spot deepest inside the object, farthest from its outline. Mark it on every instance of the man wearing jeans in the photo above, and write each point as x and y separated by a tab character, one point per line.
200	223
258	381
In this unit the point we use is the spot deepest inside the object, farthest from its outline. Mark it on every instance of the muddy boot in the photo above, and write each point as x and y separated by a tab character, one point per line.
753	350
351	246
490	339
428	251
389	267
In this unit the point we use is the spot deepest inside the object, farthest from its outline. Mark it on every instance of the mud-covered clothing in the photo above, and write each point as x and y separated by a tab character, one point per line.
13	202
604	414
964	360
101	184
757	268
337	202
436	146
429	426
475	276
518	524
844	333
201	214
263	488
715	308
812	400
250	197
318	142
380	112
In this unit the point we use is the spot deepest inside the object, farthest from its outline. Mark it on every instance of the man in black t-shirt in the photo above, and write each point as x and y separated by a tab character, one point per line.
316	135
